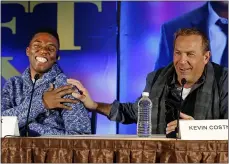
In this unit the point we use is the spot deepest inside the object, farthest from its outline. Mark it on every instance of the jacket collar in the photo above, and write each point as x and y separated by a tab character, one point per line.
47	77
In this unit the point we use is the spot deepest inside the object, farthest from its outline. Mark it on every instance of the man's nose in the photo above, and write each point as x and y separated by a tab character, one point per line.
183	59
44	51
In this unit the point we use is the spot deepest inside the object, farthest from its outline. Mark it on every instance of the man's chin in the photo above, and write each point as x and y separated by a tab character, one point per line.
183	75
42	70
186	77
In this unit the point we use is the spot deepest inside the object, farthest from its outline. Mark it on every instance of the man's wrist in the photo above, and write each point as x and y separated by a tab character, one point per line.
103	108
95	105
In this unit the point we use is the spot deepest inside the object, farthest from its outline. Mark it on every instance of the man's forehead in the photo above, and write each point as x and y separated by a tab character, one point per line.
193	37
188	41
44	37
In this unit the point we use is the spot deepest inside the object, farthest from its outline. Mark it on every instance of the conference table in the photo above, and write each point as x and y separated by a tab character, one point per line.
111	149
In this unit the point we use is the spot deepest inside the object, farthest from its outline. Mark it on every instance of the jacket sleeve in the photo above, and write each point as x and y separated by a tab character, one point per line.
21	110
127	113
224	95
77	120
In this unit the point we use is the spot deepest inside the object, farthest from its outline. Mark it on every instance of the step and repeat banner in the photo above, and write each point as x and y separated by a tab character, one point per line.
88	36
87	32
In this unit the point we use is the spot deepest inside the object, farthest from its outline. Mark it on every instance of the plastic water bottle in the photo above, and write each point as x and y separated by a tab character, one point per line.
144	126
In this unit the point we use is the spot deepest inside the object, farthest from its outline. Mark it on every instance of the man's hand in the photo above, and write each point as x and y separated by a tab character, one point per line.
172	125
85	97
52	98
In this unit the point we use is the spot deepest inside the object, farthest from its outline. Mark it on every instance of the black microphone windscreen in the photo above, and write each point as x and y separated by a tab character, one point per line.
36	76
183	81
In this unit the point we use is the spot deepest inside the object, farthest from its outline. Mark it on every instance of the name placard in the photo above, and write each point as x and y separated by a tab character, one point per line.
9	126
204	129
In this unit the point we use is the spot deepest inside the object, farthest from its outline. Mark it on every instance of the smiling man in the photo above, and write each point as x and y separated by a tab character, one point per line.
204	95
47	116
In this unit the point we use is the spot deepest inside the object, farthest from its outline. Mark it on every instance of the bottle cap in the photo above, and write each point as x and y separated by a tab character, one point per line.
145	94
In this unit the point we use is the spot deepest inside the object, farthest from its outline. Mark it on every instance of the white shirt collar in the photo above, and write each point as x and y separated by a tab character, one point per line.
213	16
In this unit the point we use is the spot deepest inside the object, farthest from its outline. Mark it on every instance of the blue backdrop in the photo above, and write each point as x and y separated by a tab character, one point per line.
140	37
87	38
88	34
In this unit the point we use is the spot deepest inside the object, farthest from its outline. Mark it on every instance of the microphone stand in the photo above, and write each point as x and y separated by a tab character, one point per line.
183	82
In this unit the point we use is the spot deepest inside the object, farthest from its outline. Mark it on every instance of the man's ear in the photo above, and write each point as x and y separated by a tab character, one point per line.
207	56
27	51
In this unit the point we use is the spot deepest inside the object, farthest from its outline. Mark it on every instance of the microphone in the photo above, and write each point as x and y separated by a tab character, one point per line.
36	77
183	82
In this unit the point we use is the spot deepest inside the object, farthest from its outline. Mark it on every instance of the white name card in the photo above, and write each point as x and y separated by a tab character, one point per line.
204	129
9	126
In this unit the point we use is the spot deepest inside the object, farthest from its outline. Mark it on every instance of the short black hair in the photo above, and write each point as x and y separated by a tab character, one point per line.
49	31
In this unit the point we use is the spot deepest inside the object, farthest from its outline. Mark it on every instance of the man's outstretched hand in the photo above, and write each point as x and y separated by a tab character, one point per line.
84	97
